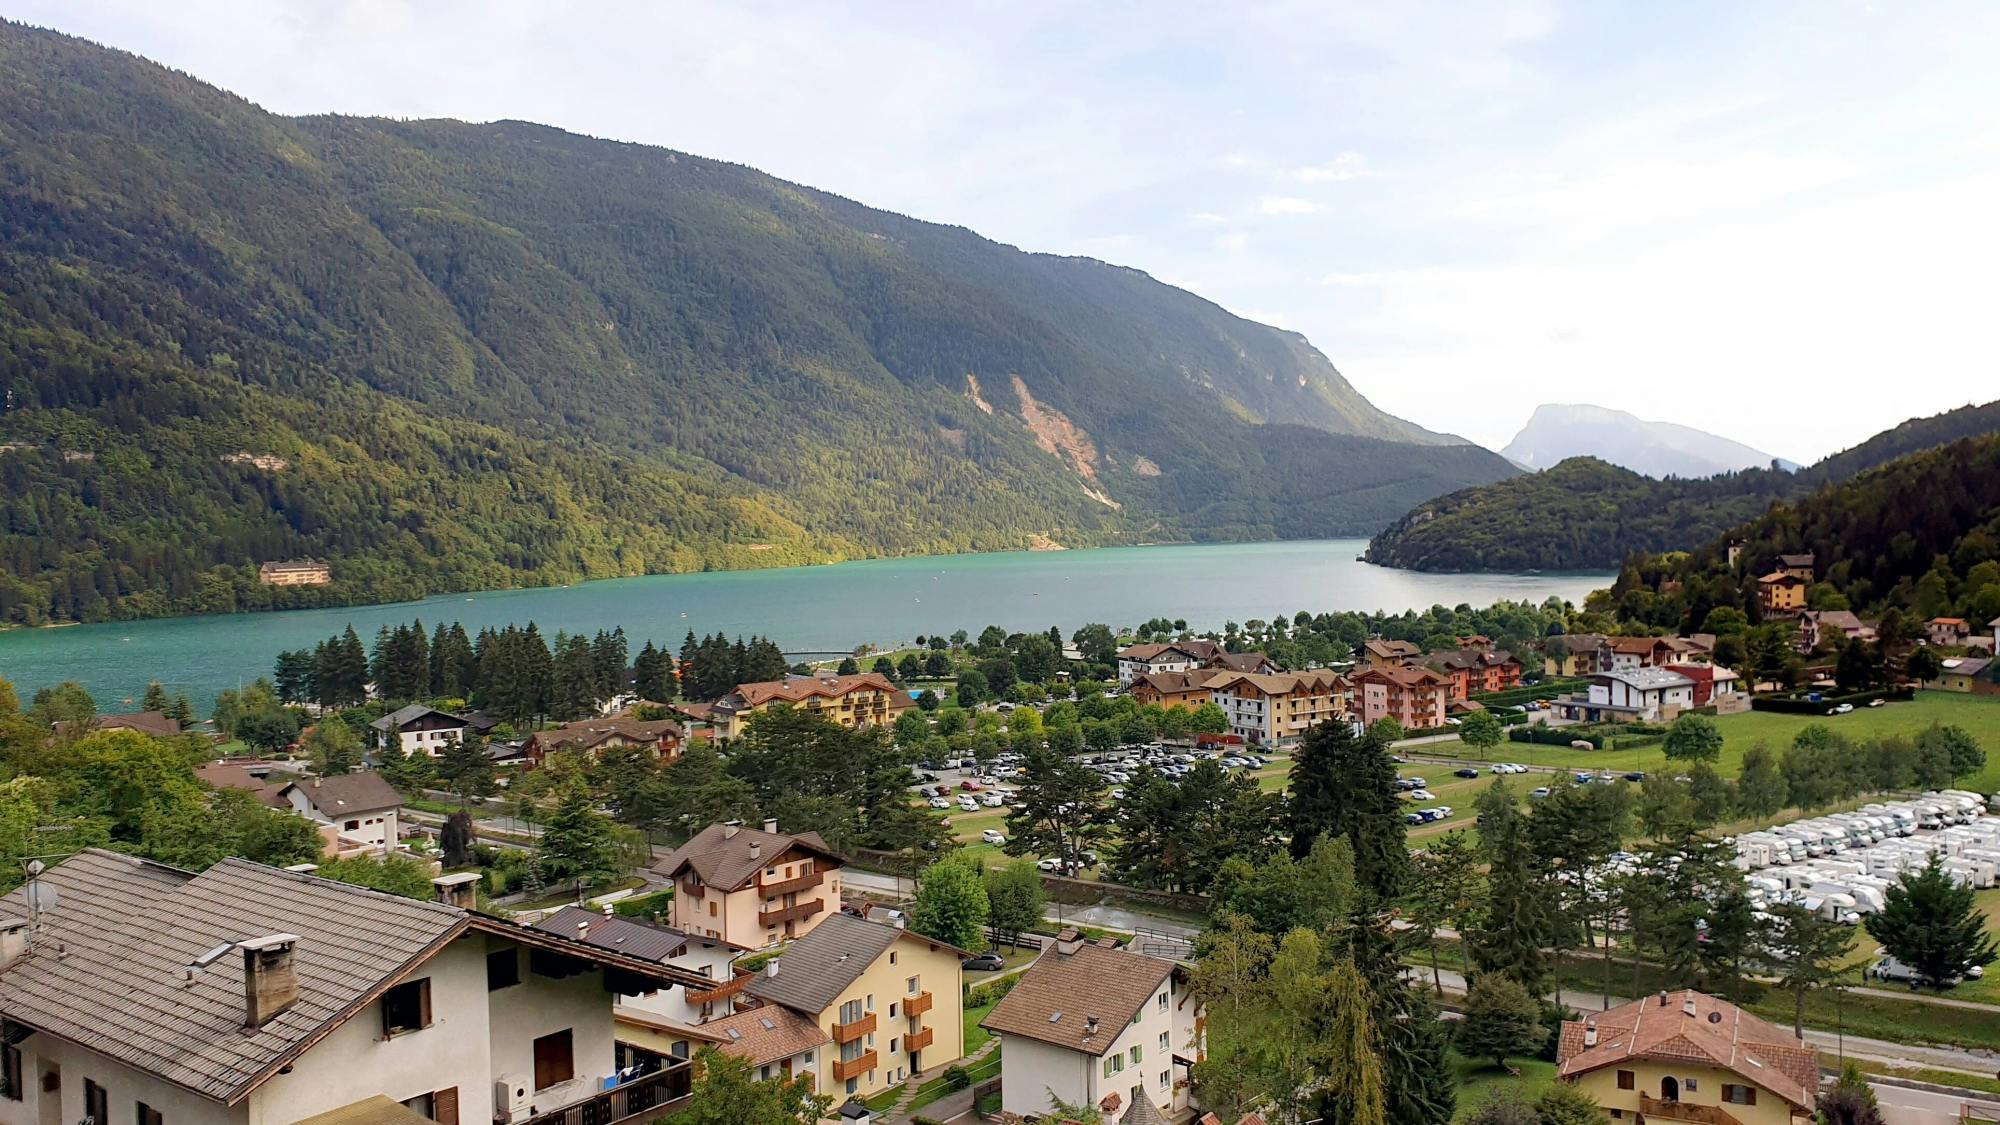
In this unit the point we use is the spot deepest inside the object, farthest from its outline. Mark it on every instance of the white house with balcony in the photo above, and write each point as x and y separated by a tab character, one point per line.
134	993
1631	694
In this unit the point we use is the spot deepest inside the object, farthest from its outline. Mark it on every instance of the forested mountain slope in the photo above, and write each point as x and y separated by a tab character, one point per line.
1920	534
1584	514
445	356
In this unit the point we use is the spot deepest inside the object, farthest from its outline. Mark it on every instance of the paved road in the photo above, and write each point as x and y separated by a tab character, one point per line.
1904	1106
1104	917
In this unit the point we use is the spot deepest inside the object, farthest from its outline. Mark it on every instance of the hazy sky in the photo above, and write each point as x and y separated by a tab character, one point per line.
1773	221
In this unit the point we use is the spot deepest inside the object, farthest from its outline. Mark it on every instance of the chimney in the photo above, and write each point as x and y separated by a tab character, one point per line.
270	978
1590	1033
1089	1026
460	890
582	928
730	828
771	825
1663	998
771	967
13	940
1067	943
1687	1005
315	783
756	850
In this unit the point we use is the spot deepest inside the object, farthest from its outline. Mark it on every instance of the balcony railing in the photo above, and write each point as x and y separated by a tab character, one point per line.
844	1069
775	887
1682	1111
723	991
645	1098
917	1005
785	914
688	888
849	1032
919	1040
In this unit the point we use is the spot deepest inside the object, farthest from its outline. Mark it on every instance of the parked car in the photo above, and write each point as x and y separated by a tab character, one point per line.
989	779
970	786
940	803
1117	794
991	801
1414	818
1421	795
1417	782
1048	865
984	962
1841	709
1877	701
1466	771
1584	778
992	836
1636	775
1539	791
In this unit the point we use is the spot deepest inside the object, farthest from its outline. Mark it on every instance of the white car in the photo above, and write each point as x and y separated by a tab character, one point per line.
1048	865
992	836
989	779
992	800
969	804
1117	794
1841	709
940	803
1420	795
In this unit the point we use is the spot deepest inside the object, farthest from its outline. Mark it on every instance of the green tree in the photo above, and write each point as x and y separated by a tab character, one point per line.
1561	1103
396	875
726	1091
1388	730
1209	718
1804	952
1922	665
1961	749
66	709
1693	738
464	769
1444	884
951	903
972	689
1760	787
1850	1100
1345	786
576	841
267	730
1480	730
1015	899
1933	926
1501	1021
1060	809
331	747
155	698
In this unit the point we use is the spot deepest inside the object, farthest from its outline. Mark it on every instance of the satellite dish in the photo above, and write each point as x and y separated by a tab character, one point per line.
41	896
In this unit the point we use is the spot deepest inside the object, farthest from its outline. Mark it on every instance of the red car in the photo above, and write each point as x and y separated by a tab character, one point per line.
969	786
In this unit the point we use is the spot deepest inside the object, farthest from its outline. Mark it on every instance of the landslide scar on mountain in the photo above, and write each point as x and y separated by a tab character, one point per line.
1057	435
972	392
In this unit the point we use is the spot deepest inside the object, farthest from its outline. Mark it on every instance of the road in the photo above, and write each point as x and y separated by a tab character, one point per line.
1104	917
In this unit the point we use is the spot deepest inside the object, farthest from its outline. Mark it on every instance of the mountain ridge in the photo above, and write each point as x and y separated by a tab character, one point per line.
505	354
1558	431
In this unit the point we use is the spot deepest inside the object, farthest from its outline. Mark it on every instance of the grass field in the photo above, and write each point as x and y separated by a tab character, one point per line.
1480	1081
1979	715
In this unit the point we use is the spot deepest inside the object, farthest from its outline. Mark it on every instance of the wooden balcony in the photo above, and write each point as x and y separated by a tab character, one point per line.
688	888
784	914
849	1032
1650	1108
919	1040
853	1068
917	1005
722	991
642	1099
775	887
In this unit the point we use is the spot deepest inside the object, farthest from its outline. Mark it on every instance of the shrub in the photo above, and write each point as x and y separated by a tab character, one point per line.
956	1077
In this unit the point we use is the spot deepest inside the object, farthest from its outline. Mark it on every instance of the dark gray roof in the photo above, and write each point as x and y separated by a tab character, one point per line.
405	715
129	928
347	794
818	967
620	935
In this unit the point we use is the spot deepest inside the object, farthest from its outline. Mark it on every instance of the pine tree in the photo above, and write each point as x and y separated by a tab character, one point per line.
155	698
1932	925
576	841
1502	1020
1345	786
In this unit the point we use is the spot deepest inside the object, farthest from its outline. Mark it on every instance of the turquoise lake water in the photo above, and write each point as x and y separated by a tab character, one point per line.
881	601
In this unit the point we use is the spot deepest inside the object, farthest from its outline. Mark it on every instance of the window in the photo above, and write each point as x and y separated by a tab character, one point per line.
1739	1095
554	1060
10	1071
406	1007
892	1045
1163	1002
503	968
96	1103
1163	1042
892	1009
1137	1054
853	1084
914	985
1690	1085
352	825
444	1106
711	908
892	956
1165	1078
1626	1080
850	1011
1113	1064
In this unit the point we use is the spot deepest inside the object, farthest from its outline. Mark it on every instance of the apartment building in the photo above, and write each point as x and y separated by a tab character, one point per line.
1413	696
752	888
1171	656
1267	708
867	699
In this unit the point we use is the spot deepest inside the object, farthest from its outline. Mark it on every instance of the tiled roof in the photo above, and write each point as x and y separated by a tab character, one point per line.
403	716
767	1034
720	854
1393	650
128	929
377	1110
1407	675
1241	661
814	970
620	935
346	794
1178	683
590	732
1143	1112
1715	1033
155	723
229	775
798	689
1280	683
1054	1000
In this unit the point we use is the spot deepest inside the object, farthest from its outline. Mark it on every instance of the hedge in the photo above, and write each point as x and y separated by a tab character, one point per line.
1514	696
644	906
1554	736
989	993
1799	705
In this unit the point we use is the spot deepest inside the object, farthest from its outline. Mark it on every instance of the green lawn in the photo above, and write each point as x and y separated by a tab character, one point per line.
1479	1080
1978	714
975	1035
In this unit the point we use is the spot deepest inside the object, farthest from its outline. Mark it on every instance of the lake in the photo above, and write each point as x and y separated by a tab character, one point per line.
879	601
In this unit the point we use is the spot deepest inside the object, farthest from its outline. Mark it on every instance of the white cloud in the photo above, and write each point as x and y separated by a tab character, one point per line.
1346	166
1209	217
1232	242
1286	205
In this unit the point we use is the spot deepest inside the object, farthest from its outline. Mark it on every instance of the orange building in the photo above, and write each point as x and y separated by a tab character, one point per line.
864	700
1781	592
1174	689
1415	697
1473	670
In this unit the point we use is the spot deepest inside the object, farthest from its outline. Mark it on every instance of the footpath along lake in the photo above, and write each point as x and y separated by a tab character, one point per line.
880	601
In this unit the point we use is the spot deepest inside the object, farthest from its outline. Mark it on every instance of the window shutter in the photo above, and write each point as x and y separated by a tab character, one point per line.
424	1002
444	1106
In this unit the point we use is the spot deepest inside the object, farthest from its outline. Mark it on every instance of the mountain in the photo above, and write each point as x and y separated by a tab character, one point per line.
1556	433
445	356
1919	534
1585	514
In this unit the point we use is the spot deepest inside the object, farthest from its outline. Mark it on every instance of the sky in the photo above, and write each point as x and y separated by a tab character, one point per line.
1773	221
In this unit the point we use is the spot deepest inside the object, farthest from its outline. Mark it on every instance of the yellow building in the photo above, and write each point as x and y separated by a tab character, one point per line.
861	1004
1263	709
864	700
751	888
1781	592
1688	1056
